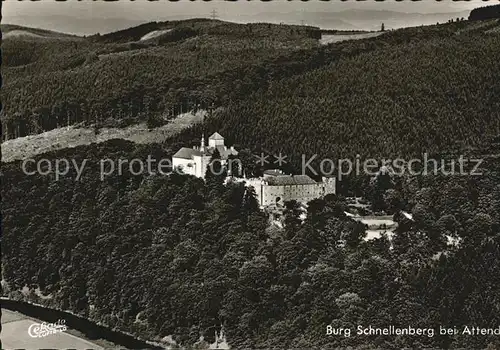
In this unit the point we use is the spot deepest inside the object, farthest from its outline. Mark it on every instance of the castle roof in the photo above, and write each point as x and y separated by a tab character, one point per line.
282	180
216	136
187	153
225	152
273	172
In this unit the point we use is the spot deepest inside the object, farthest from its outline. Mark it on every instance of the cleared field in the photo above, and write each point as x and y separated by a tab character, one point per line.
337	38
155	34
15	335
29	146
495	30
15	33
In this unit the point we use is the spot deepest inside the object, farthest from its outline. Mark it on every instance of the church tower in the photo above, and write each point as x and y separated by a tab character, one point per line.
202	143
215	140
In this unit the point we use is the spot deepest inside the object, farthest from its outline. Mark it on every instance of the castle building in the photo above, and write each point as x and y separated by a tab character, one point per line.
194	161
274	188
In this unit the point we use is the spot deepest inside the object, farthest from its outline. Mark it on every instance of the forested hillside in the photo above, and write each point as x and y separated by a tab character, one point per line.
418	90
11	30
486	12
170	255
118	79
161	256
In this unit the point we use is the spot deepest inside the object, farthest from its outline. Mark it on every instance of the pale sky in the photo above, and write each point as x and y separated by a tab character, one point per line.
147	10
22	12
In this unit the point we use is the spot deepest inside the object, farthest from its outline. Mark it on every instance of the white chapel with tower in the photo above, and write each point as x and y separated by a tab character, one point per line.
194	161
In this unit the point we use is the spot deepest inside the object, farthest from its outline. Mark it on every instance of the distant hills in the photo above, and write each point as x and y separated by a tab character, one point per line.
12	30
354	19
119	78
361	19
204	252
263	74
73	24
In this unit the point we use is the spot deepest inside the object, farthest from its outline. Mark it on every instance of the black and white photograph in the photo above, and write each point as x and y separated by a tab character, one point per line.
250	174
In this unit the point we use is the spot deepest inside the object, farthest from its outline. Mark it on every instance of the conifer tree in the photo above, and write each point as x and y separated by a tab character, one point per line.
215	174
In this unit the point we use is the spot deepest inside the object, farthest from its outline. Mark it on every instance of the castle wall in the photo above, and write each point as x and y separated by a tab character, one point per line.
329	186
270	194
257	186
267	194
196	166
199	170
303	193
187	165
215	143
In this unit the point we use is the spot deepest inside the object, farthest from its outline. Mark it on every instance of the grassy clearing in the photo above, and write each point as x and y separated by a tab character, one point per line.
337	38
30	146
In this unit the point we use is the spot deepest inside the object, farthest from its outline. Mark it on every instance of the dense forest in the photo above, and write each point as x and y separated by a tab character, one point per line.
487	12
114	80
400	100
117	80
172	255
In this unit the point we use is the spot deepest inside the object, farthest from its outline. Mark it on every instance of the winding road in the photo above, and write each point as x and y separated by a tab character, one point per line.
15	335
